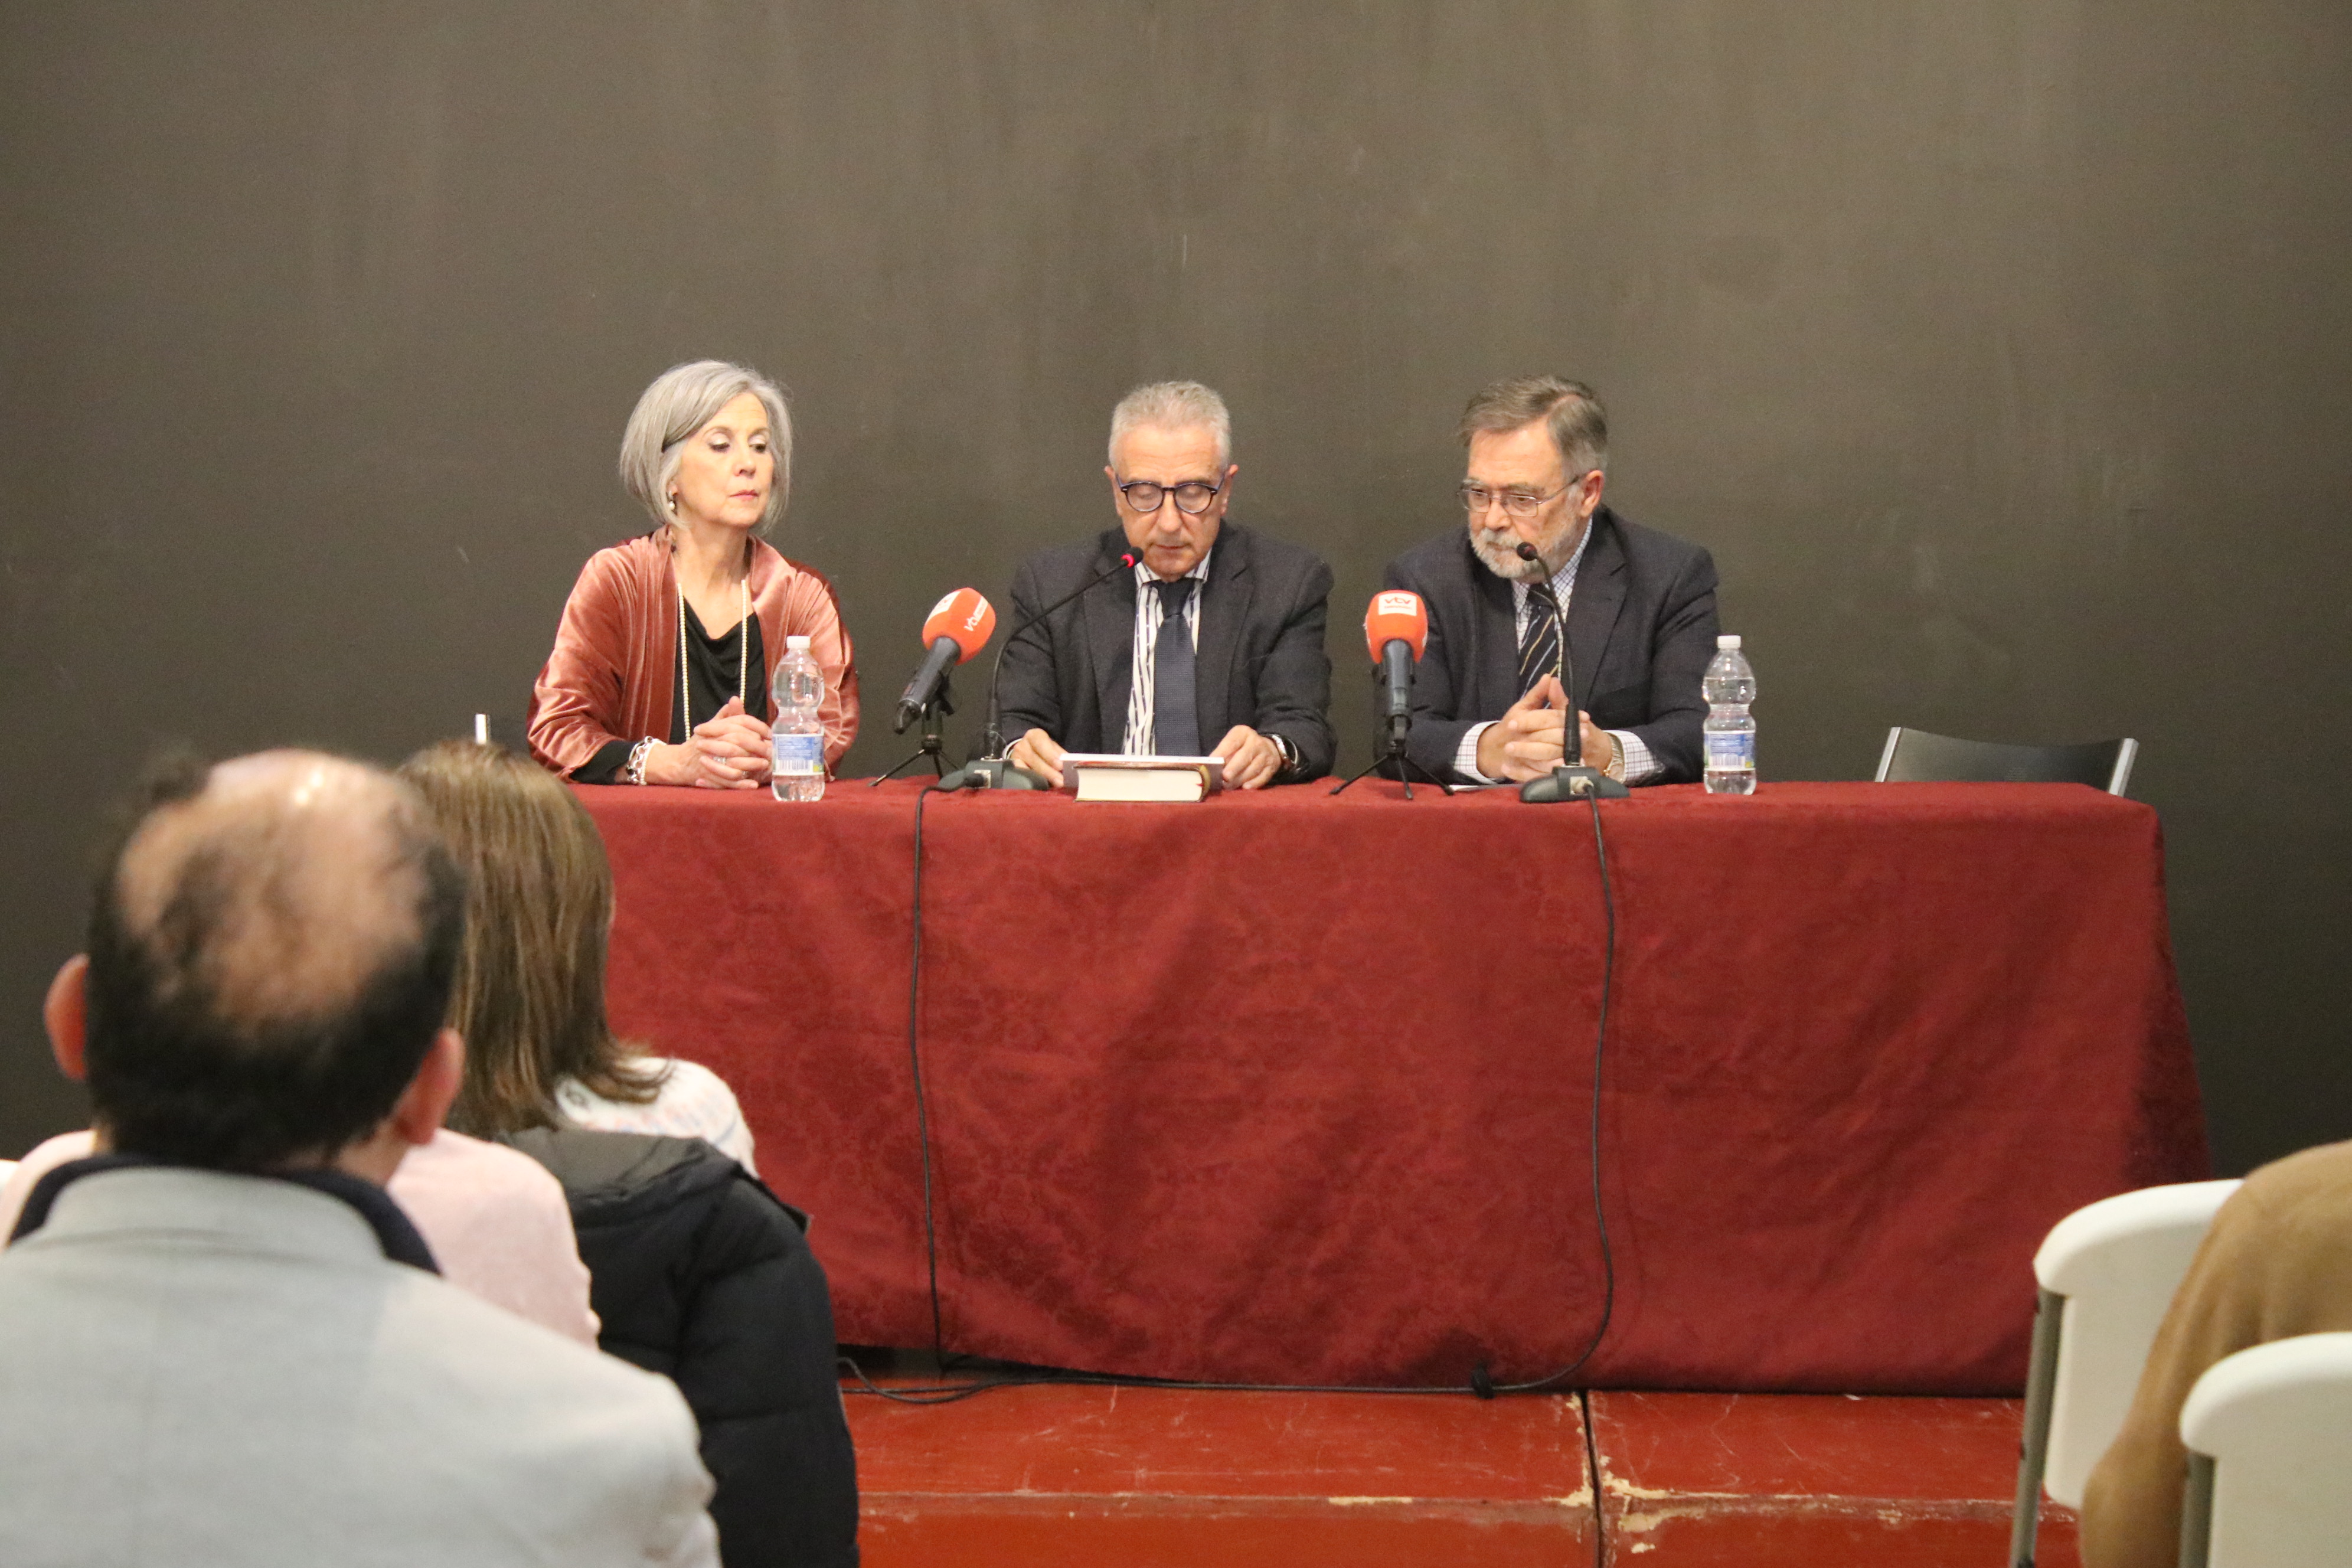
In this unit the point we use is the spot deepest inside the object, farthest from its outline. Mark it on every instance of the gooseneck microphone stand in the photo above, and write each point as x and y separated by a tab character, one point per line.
989	769
1568	781
933	748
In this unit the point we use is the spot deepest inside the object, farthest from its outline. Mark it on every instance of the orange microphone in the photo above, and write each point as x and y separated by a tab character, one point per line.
958	626
1396	617
1396	628
965	617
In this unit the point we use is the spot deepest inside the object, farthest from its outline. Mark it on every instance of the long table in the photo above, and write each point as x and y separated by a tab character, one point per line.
1292	1088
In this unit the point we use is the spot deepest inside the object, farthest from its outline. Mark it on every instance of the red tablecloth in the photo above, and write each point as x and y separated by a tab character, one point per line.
1288	1087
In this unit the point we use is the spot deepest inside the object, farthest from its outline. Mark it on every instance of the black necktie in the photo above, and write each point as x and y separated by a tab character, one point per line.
1175	722
1539	644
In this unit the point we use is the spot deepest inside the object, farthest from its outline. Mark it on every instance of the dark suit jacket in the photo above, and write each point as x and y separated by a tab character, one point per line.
699	1272
1641	631
1259	660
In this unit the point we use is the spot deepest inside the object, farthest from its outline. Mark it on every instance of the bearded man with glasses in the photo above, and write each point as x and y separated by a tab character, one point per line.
1490	699
1210	644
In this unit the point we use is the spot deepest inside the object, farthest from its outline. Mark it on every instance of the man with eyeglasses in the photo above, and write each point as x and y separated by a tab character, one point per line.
1490	704
1212	645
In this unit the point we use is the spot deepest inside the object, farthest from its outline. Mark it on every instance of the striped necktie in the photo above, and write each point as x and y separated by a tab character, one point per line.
1539	643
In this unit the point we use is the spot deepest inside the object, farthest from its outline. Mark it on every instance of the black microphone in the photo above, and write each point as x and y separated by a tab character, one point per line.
1396	683
925	687
1396	628
993	772
1570	779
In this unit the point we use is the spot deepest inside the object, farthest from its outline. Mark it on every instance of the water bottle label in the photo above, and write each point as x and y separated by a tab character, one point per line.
799	756
1734	752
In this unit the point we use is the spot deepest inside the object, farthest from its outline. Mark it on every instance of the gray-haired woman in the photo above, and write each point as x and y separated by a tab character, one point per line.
659	673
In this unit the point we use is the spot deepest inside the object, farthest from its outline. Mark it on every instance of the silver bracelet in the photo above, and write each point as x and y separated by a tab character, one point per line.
635	771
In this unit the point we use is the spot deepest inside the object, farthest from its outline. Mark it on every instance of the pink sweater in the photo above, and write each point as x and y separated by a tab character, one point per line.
494	1217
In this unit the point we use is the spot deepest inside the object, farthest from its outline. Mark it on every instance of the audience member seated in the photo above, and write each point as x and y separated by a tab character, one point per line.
531	989
2277	1263
495	1221
701	1273
697	1270
220	1342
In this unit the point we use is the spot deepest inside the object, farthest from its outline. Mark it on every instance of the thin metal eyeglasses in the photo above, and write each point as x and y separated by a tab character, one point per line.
1476	499
1193	497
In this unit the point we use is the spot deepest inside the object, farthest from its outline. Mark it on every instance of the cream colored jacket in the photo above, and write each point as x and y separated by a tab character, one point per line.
200	1369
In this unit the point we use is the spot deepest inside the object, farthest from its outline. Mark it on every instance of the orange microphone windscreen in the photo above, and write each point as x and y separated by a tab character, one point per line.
965	617
1395	614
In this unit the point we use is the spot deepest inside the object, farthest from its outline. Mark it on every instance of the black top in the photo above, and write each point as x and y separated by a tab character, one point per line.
711	666
698	1271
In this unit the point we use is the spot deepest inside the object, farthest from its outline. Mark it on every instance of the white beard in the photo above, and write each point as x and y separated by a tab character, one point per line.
1497	550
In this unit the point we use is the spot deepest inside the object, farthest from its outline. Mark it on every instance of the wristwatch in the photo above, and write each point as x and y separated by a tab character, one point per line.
1289	753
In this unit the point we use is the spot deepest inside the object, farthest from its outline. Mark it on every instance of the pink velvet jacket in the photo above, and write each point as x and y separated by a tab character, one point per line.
614	673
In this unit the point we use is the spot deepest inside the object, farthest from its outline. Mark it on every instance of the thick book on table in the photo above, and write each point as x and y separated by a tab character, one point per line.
1097	776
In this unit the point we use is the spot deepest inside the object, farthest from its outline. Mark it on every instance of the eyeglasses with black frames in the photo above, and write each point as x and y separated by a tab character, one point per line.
1193	497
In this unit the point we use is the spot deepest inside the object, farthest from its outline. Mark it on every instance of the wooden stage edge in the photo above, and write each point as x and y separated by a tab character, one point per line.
1044	1476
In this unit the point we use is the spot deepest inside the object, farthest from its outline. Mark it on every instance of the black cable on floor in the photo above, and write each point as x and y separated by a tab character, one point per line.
1480	1384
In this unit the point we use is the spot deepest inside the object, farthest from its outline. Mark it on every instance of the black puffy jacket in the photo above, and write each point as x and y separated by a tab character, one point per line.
701	1273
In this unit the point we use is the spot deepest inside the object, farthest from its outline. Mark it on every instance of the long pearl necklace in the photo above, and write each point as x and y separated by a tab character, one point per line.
742	649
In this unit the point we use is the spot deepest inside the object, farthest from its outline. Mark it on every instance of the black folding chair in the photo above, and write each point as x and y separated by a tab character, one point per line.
1917	756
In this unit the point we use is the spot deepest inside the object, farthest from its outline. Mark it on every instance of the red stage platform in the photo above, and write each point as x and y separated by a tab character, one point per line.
1084	1476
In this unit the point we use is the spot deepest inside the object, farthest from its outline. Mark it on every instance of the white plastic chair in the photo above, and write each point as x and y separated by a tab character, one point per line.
2107	1272
2269	1432
8	1169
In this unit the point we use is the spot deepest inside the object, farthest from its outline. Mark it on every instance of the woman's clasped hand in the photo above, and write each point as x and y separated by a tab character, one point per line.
731	750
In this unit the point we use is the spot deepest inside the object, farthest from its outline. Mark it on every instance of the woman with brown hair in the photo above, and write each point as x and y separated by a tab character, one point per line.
530	998
695	1269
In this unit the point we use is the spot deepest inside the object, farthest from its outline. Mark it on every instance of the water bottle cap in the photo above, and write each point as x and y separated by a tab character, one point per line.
800	643
1728	639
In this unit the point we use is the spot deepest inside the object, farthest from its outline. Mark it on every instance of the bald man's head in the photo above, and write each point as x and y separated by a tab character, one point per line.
271	949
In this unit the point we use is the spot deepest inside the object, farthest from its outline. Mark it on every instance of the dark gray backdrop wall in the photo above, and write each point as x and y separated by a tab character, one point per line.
1998	351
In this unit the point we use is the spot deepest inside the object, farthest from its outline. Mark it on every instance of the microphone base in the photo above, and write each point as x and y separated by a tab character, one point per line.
1405	768
934	748
1571	784
991	773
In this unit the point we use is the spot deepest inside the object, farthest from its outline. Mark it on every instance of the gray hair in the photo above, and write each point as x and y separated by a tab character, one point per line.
1173	406
1579	424
682	400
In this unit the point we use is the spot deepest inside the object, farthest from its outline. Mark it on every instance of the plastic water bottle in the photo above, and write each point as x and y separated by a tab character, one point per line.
798	738
1729	687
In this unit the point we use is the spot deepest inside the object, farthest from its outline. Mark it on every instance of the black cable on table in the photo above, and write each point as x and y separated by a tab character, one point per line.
1600	1049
